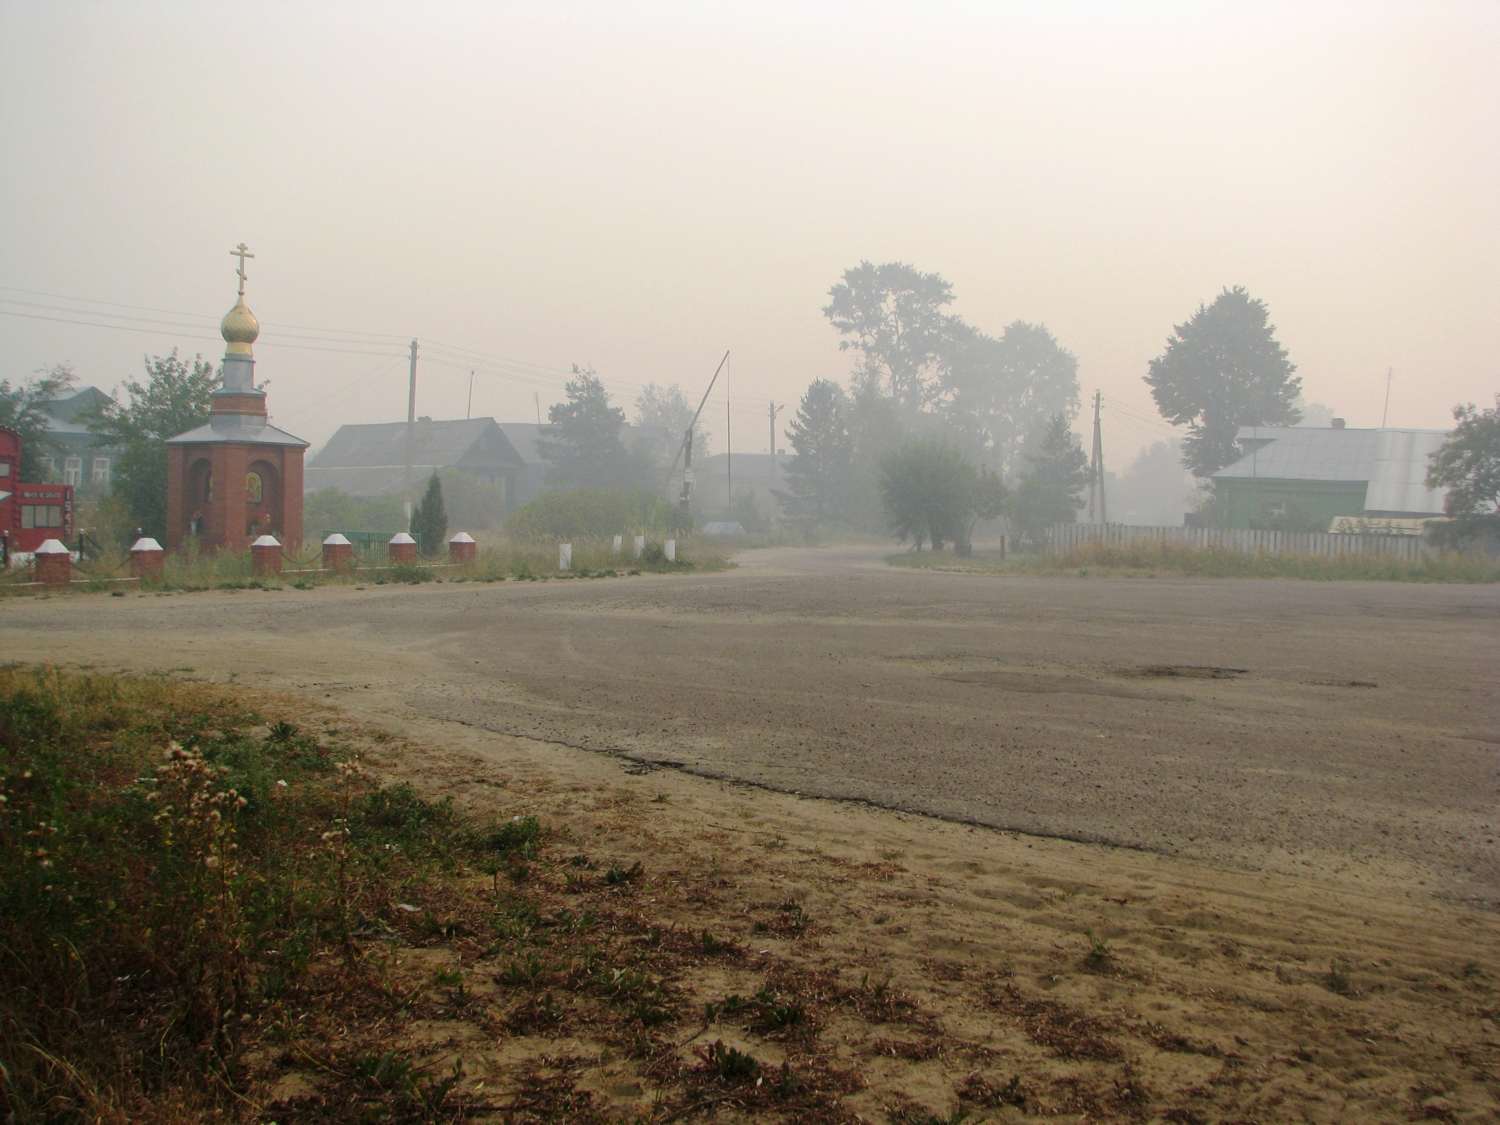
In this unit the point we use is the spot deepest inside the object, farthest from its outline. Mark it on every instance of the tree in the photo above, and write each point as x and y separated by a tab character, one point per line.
818	476
1052	492
1223	369
929	491
582	442
429	519
669	408
175	398
23	409
895	315
1467	464
1001	390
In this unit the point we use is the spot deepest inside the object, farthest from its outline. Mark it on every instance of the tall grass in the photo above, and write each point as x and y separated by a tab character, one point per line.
499	560
169	876
1155	559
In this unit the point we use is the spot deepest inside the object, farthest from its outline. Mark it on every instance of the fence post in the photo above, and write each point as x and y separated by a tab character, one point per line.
640	545
402	549
338	554
619	545
565	556
669	548
54	564
265	556
462	550
148	561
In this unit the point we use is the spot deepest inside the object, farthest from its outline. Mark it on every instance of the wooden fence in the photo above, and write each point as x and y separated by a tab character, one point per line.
1066	536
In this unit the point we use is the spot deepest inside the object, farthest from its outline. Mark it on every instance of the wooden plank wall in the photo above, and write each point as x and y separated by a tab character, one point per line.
1066	536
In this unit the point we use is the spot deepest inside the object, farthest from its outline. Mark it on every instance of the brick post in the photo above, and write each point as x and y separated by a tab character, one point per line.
338	554
54	564
462	550
148	561
265	556
402	549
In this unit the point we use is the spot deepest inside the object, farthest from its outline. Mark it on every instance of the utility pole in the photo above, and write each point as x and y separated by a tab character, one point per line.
687	439
470	411
536	397
411	422
1386	413
1096	466
775	410
728	447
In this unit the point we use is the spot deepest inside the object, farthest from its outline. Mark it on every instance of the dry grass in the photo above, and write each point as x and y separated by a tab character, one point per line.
574	954
189	571
1179	560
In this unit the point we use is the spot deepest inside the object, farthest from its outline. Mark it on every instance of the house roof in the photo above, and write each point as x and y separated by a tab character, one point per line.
523	436
463	442
1392	462
65	410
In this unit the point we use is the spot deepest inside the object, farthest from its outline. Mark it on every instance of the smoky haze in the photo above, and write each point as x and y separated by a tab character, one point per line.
639	188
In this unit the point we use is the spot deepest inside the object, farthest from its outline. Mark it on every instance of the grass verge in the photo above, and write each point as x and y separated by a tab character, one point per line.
189	571
205	912
1176	560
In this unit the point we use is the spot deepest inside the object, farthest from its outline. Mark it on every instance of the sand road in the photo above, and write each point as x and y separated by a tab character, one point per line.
1346	731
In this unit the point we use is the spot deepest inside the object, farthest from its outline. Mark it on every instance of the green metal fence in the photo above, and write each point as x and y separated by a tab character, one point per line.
370	542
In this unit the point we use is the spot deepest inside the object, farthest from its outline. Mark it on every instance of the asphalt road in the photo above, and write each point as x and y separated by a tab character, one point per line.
1339	728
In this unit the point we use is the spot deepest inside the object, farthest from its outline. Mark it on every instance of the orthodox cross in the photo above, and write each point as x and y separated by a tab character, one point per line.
241	252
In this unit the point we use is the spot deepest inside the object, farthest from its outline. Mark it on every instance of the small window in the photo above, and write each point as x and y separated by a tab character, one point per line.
4	468
1277	507
101	470
28	516
73	471
54	515
254	488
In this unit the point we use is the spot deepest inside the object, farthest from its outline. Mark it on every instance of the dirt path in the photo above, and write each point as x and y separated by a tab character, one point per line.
1304	774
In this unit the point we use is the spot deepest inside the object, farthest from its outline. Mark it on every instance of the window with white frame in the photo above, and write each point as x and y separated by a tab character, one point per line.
41	515
101	470
73	471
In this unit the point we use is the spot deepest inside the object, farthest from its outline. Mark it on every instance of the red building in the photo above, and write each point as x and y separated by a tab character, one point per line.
30	514
238	477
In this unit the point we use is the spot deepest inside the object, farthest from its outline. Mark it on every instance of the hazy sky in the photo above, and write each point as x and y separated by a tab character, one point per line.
638	188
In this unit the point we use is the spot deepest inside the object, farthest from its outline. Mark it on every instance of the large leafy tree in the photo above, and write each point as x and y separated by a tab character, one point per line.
818	476
1052	492
1467	464
23	409
174	398
930	491
1001	390
668	407
1223	369
582	442
893	316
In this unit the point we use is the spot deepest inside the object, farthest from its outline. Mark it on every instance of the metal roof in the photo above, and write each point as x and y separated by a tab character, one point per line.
252	429
1392	463
461	441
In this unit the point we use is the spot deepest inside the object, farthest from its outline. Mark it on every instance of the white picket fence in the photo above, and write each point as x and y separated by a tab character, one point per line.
1066	536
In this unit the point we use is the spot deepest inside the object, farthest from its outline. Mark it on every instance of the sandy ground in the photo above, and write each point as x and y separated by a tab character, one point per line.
1286	793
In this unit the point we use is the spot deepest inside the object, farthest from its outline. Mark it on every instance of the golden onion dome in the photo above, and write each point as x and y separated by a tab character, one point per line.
239	328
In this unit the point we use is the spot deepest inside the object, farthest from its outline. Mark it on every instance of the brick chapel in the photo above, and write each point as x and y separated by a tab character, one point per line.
238	477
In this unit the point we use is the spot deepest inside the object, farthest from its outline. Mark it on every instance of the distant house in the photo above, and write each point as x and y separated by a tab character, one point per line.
75	456
1305	478
370	460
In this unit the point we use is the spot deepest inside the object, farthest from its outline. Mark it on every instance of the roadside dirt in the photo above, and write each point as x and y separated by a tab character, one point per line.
1278	930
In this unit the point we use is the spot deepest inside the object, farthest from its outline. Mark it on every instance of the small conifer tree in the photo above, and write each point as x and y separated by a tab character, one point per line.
429	519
